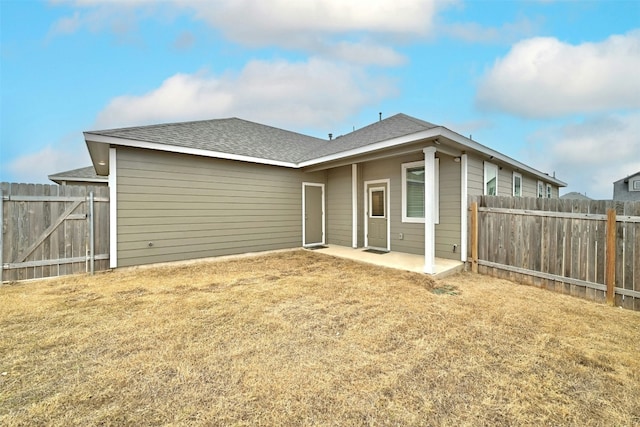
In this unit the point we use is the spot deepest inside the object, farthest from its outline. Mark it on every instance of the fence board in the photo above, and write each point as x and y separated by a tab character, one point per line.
560	245
37	242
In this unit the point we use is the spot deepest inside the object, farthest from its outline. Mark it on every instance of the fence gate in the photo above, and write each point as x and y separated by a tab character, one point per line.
51	230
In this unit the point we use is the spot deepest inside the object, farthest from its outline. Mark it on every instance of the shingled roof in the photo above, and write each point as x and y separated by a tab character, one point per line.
87	174
231	136
383	130
245	138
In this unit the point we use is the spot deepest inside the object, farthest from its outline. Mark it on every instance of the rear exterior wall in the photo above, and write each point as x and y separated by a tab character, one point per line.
409	237
173	207
475	174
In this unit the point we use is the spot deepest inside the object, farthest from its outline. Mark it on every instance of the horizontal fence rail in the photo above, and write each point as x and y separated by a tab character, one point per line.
51	230
584	248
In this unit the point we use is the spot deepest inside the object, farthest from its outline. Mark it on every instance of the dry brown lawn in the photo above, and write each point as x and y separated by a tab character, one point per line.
301	338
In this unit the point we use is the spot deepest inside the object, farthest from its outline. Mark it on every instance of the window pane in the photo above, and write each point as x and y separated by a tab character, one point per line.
377	203
415	192
491	179
517	186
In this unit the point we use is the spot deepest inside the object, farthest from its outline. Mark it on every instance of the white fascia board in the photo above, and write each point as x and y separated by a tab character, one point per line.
182	150
498	156
390	143
75	178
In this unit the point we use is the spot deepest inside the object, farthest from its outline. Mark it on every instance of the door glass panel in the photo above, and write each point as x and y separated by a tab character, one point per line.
377	203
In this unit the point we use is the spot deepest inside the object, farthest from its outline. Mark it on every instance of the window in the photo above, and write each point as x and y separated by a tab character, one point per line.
540	189
517	184
490	179
413	192
548	191
376	203
635	186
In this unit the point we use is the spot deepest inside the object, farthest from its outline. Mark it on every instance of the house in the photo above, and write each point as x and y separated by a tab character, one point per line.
82	176
220	187
574	195
627	189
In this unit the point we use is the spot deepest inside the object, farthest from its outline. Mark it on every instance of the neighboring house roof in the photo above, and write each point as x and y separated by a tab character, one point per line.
87	174
626	178
574	195
238	139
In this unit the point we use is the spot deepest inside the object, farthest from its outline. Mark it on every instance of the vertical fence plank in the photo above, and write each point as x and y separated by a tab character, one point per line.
610	273
474	237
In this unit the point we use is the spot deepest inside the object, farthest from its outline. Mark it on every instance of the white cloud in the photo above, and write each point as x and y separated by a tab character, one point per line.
332	28
590	155
472	32
544	77
257	21
35	167
292	95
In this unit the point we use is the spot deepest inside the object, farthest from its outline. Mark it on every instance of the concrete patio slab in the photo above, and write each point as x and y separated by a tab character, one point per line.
399	260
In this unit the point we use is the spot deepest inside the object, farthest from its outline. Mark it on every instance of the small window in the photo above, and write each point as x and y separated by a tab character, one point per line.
377	203
635	186
548	191
490	179
540	189
517	184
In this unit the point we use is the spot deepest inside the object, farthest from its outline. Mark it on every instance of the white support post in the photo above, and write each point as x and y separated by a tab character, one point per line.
464	207
354	206
113	210
429	203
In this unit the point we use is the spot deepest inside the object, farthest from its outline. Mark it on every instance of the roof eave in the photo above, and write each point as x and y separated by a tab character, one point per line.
469	143
430	134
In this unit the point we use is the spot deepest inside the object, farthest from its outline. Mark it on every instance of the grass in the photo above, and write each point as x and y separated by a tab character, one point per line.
300	338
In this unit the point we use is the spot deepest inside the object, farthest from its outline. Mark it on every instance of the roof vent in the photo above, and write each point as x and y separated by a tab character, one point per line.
380	116
330	136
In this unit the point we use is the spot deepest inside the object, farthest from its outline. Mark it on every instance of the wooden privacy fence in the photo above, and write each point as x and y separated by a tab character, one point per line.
51	230
585	248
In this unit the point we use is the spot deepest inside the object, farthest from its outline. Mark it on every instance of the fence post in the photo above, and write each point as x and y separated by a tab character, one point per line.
610	267
474	237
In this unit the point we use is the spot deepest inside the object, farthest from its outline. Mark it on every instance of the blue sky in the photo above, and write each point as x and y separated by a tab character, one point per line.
554	84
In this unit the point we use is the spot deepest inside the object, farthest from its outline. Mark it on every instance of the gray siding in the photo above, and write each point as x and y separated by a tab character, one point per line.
175	207
475	178
339	217
448	230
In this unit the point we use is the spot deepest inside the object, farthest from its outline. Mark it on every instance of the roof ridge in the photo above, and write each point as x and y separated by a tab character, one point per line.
417	120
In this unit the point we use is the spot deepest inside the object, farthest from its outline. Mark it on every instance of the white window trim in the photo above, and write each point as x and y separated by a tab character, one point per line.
436	210
632	185
517	175
549	191
484	176
540	189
